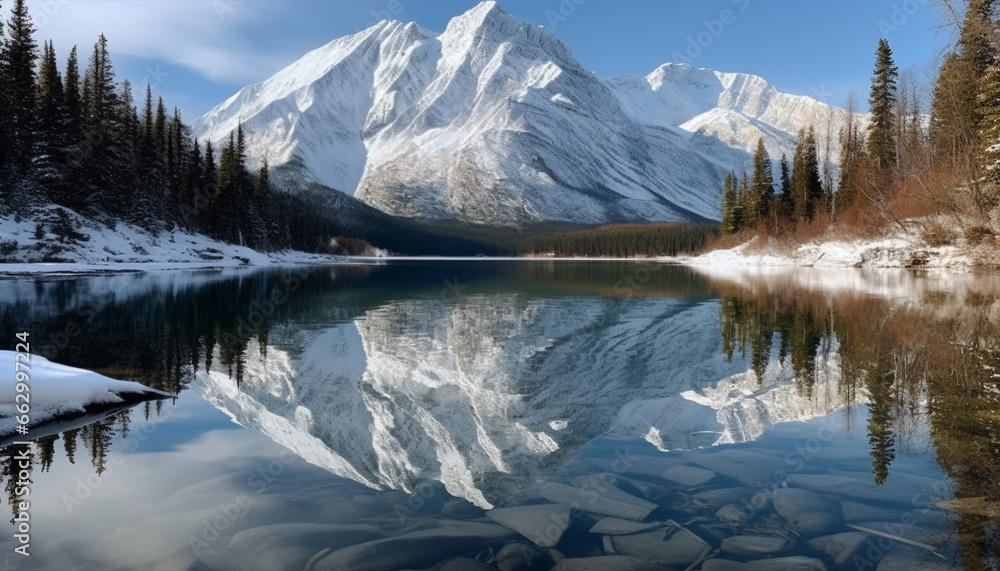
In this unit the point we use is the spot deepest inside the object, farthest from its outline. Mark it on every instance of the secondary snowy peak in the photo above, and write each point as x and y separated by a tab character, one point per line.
495	121
735	108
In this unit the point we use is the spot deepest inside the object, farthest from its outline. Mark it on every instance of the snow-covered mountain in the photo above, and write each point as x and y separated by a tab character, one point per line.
495	121
491	394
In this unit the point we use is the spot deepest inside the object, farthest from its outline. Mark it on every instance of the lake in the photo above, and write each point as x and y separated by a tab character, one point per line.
518	415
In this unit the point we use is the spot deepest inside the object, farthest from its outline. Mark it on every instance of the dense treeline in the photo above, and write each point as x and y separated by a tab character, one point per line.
82	142
621	241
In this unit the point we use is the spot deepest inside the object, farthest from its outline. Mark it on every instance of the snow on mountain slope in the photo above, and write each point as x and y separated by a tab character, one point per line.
495	121
493	393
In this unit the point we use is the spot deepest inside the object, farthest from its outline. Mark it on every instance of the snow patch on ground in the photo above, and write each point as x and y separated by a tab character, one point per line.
31	245
57	390
899	250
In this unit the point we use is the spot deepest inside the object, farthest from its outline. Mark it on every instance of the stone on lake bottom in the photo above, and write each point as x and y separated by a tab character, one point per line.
805	511
841	547
681	547
688	475
605	501
602	563
543	524
731	514
753	546
796	563
417	549
618	526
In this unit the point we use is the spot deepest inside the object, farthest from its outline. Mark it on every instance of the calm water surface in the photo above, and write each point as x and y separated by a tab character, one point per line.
519	415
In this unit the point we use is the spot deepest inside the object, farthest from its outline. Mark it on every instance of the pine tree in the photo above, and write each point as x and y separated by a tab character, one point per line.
72	165
814	183
744	203
729	224
762	188
19	55
882	103
5	118
51	127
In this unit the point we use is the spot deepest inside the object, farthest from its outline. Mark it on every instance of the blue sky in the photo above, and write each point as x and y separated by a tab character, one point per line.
199	52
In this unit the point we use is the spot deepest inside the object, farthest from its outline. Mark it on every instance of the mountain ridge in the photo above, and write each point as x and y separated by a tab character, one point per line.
494	121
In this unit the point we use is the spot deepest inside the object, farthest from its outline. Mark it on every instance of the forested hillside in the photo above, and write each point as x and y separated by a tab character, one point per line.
937	177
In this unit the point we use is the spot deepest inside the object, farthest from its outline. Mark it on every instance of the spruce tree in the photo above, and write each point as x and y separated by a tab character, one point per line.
807	186
729	223
882	104
19	56
744	203
787	201
5	118
51	127
762	188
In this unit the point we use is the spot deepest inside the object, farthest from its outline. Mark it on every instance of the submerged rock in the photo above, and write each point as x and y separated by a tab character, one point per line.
543	524
688	475
731	514
841	547
861	486
417	549
520	557
292	545
618	526
748	467
602	563
856	511
466	564
663	547
753	546
796	563
906	558
605	501
805	511
720	497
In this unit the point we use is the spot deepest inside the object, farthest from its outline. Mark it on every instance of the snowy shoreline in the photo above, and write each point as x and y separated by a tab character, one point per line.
894	252
61	393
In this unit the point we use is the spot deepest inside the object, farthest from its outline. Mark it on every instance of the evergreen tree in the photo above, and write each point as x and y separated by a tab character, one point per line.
745	208
807	187
5	118
51	127
729	224
786	180
69	444
71	91
882	103
762	188
19	55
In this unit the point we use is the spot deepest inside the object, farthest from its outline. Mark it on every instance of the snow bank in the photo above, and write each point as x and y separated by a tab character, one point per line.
96	247
887	252
58	391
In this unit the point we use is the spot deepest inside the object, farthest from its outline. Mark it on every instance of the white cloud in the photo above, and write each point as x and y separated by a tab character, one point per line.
208	37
